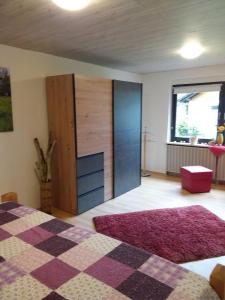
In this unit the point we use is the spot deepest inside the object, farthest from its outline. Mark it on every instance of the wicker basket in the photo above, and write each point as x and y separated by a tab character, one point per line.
46	197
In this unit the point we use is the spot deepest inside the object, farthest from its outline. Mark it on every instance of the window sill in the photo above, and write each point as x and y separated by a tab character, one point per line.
187	144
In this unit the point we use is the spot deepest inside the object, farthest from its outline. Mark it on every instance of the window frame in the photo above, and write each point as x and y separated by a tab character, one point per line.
220	117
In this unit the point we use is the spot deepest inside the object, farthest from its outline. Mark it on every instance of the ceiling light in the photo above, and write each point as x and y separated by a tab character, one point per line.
72	4
191	50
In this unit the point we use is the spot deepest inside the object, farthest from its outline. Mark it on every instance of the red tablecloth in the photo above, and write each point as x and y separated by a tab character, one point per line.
217	150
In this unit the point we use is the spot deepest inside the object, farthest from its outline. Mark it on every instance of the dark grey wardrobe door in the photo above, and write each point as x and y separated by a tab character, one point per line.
127	136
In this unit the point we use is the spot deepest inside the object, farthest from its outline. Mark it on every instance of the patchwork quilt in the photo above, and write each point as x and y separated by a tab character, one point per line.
42	257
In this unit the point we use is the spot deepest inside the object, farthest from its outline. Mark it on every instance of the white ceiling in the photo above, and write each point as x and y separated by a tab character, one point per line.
134	35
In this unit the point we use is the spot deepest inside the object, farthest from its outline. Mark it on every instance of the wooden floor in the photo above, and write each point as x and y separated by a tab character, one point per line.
158	191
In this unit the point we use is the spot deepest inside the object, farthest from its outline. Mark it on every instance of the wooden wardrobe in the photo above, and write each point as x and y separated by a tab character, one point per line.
95	143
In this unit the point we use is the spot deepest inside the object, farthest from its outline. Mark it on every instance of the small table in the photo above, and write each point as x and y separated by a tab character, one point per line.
217	151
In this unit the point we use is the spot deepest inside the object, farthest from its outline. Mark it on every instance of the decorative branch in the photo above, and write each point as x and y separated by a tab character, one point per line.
39	150
43	165
38	176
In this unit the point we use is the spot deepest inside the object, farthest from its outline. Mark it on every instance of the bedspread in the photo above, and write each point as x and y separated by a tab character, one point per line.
42	257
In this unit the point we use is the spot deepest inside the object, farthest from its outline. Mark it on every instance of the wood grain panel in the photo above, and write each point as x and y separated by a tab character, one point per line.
94	123
60	95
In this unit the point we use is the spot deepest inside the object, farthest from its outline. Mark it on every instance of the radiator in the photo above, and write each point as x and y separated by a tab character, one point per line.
180	155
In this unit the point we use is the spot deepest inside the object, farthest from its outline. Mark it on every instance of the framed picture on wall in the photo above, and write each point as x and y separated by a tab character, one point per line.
6	118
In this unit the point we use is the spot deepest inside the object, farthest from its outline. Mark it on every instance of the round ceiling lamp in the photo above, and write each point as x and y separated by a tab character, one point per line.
191	50
72	4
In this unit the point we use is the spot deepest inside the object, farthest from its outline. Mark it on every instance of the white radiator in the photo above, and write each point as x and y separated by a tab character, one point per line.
180	155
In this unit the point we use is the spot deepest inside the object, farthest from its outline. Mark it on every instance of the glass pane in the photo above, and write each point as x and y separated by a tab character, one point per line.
197	114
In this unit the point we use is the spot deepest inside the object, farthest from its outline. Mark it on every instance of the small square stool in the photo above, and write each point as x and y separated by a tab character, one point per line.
196	179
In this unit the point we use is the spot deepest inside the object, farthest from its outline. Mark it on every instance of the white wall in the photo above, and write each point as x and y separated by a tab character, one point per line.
157	107
17	153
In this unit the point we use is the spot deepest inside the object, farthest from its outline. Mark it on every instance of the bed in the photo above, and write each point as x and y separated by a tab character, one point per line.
42	257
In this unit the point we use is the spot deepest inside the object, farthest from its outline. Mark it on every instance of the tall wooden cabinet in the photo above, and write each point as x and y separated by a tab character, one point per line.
84	115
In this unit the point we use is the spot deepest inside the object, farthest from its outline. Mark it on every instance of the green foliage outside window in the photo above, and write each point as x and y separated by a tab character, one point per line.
185	131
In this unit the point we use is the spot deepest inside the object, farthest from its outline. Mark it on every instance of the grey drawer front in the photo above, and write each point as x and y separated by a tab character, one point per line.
90	200
90	182
89	164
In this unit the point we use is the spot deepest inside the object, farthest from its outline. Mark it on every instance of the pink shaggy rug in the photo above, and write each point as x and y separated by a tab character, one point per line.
177	234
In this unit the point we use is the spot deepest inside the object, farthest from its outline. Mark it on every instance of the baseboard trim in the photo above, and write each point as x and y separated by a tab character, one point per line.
157	174
168	173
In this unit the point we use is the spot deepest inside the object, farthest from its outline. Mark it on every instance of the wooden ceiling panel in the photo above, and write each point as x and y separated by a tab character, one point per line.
134	35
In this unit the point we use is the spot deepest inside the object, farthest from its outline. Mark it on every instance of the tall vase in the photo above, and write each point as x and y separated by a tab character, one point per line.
46	197
219	139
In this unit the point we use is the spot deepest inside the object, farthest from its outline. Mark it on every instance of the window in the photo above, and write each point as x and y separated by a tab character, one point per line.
196	110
